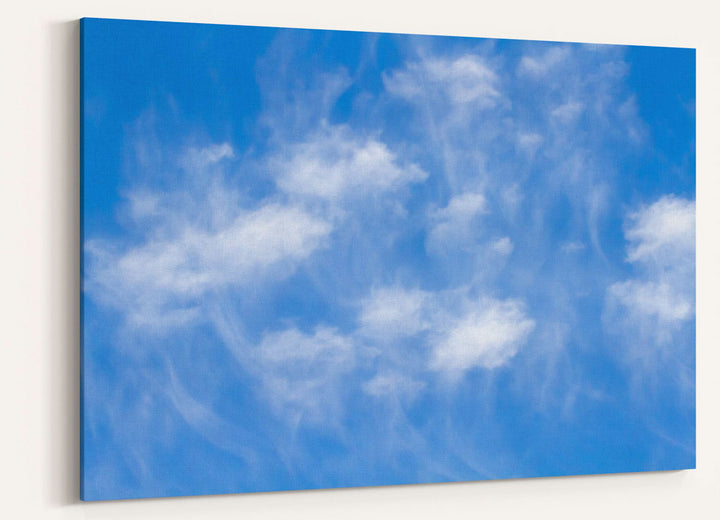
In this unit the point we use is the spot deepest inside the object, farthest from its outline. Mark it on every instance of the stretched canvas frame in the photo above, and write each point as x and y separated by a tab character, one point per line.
320	259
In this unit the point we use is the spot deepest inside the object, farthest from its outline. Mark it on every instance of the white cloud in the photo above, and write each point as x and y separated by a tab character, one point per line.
458	112
511	198
457	329
529	142
463	207
652	299
142	205
538	66
567	112
392	383
307	376
302	374
597	202
660	300
572	247
291	346
502	246
464	80
334	163
662	232
199	260
200	158
486	337
294	106
456	223
182	254
393	311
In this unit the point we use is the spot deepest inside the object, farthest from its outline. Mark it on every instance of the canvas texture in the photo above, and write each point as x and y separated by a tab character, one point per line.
319	259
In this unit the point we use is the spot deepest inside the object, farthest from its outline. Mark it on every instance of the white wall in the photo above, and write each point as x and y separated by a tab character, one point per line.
39	279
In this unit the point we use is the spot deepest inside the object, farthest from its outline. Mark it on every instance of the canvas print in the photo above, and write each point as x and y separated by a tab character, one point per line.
320	259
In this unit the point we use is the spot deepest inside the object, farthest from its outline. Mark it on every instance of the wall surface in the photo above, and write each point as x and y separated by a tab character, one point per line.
39	279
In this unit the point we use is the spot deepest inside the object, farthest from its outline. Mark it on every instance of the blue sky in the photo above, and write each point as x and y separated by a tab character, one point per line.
321	259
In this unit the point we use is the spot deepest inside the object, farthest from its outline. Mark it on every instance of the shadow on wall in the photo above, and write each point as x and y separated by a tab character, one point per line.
62	442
